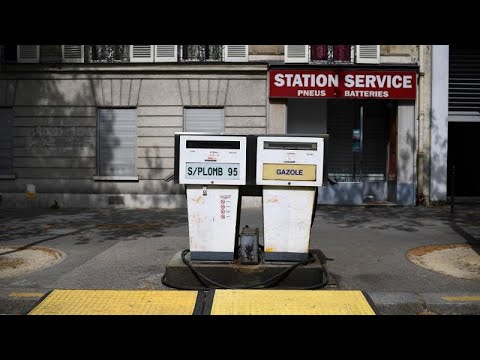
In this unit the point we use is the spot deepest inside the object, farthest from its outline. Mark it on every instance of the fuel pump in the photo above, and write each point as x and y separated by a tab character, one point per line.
212	167
218	169
290	168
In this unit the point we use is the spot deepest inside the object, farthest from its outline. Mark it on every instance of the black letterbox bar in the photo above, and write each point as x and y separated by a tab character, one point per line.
284	145
212	144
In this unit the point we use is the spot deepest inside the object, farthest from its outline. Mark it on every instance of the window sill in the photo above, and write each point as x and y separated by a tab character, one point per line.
115	178
8	177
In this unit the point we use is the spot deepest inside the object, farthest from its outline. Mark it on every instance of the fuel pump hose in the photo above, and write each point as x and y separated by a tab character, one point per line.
209	284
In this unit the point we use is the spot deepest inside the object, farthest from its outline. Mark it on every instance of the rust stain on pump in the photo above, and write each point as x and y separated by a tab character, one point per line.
197	199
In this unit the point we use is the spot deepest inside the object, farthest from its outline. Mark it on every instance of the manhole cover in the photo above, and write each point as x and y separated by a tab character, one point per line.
457	260
15	260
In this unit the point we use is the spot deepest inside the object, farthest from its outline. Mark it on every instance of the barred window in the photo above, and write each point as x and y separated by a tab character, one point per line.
331	53
202	52
109	53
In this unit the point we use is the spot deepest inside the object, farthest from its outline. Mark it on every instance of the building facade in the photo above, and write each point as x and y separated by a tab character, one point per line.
93	125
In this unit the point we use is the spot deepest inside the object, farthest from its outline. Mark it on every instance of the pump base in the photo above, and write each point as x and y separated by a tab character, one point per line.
232	274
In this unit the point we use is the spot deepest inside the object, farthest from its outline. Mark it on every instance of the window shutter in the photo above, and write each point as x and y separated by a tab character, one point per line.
464	79
374	157
234	53
141	53
72	53
6	141
339	127
117	142
296	53
204	120
367	54
28	53
165	53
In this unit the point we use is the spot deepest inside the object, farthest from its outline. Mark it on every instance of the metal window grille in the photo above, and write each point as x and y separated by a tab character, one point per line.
108	53
332	54
201	53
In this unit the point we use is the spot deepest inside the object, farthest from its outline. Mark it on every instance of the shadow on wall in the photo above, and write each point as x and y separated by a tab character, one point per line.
438	160
406	188
56	143
156	169
54	134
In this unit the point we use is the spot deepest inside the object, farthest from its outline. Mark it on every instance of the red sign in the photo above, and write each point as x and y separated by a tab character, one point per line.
344	84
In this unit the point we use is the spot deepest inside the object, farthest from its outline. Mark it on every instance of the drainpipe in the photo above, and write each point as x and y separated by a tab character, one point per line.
423	143
427	104
419	162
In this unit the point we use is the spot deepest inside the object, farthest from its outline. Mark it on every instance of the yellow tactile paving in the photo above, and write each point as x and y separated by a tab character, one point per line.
290	302
117	302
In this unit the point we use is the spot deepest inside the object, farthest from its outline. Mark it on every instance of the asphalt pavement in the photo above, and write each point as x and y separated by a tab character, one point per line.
117	248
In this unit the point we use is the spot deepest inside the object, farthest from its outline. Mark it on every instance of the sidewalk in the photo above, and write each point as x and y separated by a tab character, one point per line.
129	249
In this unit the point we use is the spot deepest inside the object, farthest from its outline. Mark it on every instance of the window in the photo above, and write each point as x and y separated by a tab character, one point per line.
44	54
464	80
367	54
117	143
209	120
202	52
122	53
8	53
6	141
72	53
153	53
108	53
331	53
28	53
50	54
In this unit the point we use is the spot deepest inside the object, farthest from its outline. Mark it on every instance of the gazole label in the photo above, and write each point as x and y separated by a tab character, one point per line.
294	172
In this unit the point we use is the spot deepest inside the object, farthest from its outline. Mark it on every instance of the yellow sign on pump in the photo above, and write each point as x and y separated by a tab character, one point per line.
294	172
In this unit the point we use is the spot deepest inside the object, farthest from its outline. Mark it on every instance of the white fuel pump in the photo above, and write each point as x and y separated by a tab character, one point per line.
289	168
212	167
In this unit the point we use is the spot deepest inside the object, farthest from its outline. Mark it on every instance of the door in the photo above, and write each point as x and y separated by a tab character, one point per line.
464	154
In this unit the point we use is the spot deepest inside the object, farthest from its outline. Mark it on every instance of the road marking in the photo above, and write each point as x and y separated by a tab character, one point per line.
26	294
461	298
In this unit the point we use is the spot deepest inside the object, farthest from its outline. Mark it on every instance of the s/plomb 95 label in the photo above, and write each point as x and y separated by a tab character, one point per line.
212	171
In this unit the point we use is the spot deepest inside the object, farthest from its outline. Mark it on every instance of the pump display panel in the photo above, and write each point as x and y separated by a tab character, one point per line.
211	159
295	161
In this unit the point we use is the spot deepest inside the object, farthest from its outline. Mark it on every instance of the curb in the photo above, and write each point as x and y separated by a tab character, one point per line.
397	303
466	303
407	303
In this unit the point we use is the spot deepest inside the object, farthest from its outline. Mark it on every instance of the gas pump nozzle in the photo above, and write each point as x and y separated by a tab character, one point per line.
331	181
169	177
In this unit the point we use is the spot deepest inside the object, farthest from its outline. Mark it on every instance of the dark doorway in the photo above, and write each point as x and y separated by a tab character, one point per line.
464	153
375	137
